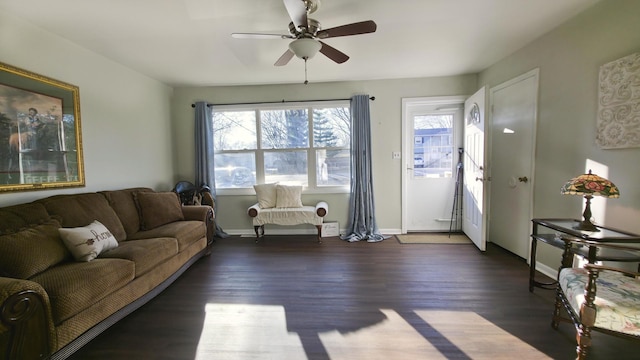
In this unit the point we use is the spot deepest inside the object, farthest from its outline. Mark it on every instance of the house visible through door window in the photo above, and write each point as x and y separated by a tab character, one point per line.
433	146
305	144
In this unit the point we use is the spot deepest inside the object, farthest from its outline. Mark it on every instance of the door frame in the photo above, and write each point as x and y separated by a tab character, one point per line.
407	157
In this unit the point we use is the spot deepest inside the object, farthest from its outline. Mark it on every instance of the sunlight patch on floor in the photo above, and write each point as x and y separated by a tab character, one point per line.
245	332
479	338
393	338
240	332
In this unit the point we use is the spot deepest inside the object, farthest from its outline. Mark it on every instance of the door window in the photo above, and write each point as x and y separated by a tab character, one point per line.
433	146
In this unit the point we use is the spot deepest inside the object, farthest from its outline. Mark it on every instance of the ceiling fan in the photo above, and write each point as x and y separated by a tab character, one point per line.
306	33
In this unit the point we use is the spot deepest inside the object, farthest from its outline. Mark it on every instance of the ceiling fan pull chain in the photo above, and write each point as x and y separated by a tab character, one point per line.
305	72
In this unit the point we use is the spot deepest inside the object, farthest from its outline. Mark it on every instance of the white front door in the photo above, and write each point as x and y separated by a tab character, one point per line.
513	122
474	179
431	137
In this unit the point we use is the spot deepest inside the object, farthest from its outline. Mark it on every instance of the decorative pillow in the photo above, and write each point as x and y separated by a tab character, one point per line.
158	208
32	250
266	194
87	242
288	196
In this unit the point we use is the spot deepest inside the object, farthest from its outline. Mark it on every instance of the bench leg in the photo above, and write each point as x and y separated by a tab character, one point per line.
258	235
319	233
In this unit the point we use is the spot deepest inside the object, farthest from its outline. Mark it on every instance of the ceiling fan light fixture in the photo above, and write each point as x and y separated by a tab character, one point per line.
305	48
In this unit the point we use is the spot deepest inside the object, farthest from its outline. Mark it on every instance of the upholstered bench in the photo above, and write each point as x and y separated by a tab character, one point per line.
282	205
599	297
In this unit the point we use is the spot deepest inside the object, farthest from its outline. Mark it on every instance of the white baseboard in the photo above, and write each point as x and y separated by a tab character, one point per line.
274	231
391	231
295	231
547	270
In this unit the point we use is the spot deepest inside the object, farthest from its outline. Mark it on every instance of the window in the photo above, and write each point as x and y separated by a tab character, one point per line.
306	145
433	153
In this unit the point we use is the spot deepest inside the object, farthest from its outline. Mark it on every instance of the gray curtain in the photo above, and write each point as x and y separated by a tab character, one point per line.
205	171
362	211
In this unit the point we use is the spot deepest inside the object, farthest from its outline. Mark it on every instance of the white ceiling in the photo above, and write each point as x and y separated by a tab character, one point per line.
188	42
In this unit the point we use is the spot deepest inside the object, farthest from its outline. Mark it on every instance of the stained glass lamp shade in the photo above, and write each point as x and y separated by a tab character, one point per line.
589	185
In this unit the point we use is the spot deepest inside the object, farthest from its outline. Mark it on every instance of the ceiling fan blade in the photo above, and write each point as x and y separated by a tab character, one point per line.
297	12
260	36
363	27
284	59
333	53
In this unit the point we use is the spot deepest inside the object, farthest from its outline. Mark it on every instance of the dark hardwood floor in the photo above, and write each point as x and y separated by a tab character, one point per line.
335	289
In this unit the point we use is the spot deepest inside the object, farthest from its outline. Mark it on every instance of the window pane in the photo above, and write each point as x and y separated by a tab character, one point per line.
331	127
333	167
236	170
286	167
234	130
284	129
433	152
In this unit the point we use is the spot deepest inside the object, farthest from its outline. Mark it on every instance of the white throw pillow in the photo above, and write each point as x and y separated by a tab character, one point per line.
266	194
288	196
87	242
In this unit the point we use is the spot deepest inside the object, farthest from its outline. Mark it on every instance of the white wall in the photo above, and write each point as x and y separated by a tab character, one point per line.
386	112
569	58
125	116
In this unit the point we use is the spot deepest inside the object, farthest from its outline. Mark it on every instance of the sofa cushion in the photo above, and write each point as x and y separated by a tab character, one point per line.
32	250
185	232
17	217
288	196
81	209
146	254
124	204
87	242
158	208
266	194
74	286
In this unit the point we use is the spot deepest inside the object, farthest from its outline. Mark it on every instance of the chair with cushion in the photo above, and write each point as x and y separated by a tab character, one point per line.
598	297
282	205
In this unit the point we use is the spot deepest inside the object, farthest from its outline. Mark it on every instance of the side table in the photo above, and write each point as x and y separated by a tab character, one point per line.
558	232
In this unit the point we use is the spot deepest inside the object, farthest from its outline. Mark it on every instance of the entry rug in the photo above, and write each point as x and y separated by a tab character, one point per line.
434	238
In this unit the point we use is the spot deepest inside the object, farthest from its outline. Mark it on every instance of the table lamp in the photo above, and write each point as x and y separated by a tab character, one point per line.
589	185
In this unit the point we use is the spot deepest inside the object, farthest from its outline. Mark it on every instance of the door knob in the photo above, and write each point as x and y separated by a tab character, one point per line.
523	179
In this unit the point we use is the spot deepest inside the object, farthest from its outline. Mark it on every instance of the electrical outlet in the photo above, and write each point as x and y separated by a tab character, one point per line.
396	155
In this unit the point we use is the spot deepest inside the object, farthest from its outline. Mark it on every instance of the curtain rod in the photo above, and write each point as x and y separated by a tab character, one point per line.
280	102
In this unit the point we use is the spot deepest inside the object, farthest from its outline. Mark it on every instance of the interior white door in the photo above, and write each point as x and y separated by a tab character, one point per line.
431	134
513	122
474	179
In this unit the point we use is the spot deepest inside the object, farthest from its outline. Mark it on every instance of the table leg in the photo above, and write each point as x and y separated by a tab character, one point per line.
532	265
532	270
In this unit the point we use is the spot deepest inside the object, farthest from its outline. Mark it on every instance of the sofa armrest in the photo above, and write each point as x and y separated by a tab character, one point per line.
26	323
195	212
322	209
253	210
204	213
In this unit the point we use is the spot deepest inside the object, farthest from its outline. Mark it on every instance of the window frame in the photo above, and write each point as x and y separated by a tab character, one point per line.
311	149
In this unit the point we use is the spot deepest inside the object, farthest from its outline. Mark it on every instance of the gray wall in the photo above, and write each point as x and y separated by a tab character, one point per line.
569	58
126	129
386	113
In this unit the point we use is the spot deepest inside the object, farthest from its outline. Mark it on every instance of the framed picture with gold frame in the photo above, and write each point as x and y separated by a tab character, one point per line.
40	132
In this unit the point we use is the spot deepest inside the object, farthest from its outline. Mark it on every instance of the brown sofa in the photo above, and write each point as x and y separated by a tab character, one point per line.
51	302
